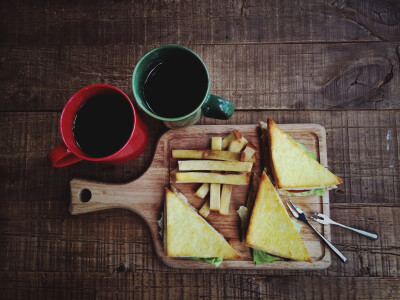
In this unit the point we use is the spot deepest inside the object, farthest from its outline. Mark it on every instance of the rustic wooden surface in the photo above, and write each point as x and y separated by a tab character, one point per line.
330	62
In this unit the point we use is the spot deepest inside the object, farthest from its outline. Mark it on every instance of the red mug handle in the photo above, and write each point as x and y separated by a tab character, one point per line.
61	156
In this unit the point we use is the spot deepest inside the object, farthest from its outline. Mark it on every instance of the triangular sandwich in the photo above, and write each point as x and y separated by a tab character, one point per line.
292	167
271	229
187	234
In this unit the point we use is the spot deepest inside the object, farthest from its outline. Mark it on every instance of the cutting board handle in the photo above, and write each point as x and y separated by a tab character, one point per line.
143	196
89	196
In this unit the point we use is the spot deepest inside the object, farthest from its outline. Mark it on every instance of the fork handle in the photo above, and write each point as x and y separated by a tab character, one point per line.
363	232
334	249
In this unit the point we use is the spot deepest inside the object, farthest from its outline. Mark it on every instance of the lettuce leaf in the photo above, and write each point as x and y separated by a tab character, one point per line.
260	257
318	192
160	223
216	261
244	216
310	153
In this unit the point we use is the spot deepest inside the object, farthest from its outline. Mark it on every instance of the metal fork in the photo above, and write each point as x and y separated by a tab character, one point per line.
324	219
300	215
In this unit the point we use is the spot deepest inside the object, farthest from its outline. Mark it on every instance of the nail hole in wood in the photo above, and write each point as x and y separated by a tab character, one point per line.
85	195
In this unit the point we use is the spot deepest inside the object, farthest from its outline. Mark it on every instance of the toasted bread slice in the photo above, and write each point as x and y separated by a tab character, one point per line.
189	235
292	167
270	228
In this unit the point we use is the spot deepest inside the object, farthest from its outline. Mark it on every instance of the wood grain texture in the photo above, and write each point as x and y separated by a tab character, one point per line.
143	285
197	22
251	76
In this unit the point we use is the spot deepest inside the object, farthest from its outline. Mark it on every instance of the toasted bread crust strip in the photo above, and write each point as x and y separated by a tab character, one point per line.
201	177
206	154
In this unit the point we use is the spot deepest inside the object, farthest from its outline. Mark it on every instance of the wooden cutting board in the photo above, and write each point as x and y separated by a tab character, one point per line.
145	195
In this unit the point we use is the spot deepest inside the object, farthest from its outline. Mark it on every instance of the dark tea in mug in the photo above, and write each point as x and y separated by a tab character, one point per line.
103	125
175	85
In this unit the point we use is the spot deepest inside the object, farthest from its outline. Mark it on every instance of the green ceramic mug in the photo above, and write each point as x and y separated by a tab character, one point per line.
171	83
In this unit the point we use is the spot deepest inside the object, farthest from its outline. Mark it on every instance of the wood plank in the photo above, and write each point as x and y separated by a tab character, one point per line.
251	76
369	257
34	215
198	22
328	288
144	285
101	242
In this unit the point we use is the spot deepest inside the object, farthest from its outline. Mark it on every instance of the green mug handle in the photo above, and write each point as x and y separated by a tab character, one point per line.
217	108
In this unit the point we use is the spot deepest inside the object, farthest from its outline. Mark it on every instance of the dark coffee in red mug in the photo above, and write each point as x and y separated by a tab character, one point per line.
99	123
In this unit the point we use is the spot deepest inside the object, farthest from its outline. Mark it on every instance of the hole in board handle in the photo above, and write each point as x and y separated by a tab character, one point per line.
85	195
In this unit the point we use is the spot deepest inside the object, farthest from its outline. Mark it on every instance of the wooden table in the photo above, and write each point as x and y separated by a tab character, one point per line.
335	63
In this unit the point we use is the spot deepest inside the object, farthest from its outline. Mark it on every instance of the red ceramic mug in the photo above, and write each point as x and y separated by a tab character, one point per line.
91	102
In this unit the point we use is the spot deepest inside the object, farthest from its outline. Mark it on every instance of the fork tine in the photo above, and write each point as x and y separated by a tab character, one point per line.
296	207
318	214
315	219
294	213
